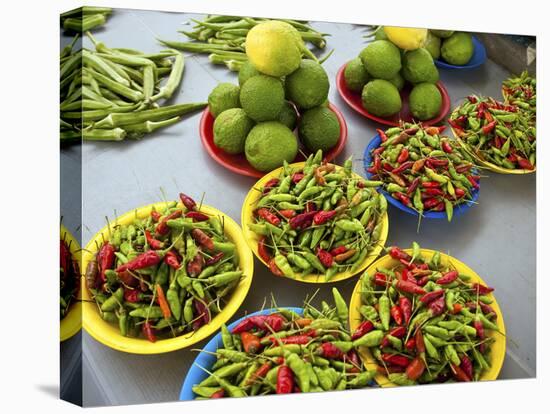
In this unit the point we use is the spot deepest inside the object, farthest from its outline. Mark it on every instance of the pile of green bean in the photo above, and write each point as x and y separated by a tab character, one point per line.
164	275
318	220
522	91
500	133
84	18
424	321
223	38
286	352
112	94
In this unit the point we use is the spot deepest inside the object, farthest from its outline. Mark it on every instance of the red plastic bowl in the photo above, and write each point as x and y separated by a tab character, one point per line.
353	99
238	163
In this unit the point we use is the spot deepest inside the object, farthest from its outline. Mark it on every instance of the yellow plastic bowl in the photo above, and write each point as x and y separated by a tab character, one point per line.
72	322
498	348
490	165
109	334
247	217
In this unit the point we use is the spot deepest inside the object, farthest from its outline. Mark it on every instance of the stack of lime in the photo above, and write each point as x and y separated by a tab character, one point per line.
276	85
456	48
382	69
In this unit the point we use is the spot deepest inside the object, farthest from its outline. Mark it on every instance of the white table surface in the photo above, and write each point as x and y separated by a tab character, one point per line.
496	238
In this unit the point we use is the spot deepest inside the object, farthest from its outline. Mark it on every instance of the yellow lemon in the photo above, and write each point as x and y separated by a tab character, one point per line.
274	48
406	38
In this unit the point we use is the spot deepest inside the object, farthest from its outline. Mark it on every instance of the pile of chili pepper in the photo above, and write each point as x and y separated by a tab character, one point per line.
285	352
69	275
496	132
521	91
164	275
317	220
109	94
423	169
427	322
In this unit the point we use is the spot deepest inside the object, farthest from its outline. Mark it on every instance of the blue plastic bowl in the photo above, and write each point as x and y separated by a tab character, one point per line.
457	211
195	375
478	58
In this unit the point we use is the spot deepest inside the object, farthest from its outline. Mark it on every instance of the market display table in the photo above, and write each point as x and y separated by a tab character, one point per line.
495	238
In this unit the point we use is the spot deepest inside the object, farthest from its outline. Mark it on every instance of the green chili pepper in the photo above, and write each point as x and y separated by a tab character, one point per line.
384	311
114	301
371	339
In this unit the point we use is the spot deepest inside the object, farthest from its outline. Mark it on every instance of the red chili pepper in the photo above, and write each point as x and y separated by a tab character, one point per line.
152	242
148	331
338	250
472	99
387	166
155	215
325	257
434	192
447	278
397	332
218	394
397	253
259	373
294	339
419	340
459	374
196	216
438	162
399	360
383	136
488	117
270	184
188	202
105	259
410	345
436	307
214	259
171	259
273	268
195	265
297	177
330	351
287	213
466	366
311	207
413	186
403	155
251	343
440	206
243	326
415	369
431	296
396	314
423	280
380	279
445	146
285	380
269	216
435	130
202	309
377	164
364	328
203	239
302	221
488	128
487	309
459	192
463	168
262	250
525	164
409	287
406	307
457	307
149	258
132	295
431	184
403	167
497	142
162	227
323	216
482	290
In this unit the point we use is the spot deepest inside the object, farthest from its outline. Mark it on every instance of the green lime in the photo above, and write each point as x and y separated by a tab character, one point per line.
231	128
288	116
418	67
262	98
355	75
308	85
425	101
458	49
247	71
224	96
382	59
319	129
269	144
381	98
